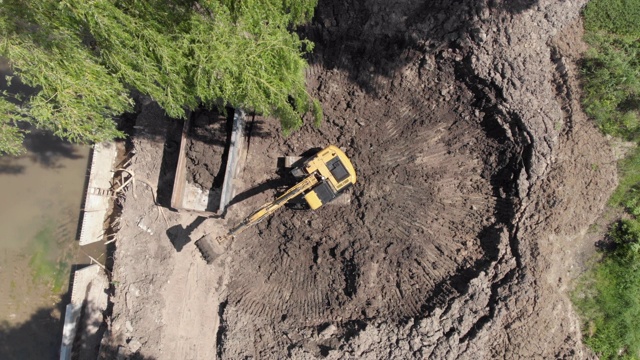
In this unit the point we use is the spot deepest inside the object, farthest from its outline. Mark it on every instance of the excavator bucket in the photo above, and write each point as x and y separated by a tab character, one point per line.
210	248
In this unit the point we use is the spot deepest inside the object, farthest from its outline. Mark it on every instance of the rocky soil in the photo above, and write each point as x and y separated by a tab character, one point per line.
478	176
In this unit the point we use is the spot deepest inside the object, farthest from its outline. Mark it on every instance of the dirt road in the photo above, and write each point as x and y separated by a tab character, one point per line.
477	182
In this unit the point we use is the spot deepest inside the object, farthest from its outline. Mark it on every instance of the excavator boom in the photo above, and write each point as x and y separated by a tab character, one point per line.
326	175
268	209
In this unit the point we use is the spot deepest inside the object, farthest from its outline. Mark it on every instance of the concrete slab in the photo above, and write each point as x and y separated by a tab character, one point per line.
89	284
89	300
196	199
71	316
96	201
290	161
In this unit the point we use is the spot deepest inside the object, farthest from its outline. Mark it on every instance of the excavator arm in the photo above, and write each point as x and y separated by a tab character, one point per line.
269	208
330	172
211	247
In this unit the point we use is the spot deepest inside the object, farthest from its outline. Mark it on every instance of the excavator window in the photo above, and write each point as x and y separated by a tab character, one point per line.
337	169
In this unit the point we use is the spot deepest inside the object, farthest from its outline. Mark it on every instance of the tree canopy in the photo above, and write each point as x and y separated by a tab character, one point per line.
85	57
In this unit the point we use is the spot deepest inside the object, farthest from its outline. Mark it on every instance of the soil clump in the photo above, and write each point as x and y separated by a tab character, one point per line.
477	181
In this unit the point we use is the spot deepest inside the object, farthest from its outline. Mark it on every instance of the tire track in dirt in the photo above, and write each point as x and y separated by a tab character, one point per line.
436	182
417	212
425	173
192	291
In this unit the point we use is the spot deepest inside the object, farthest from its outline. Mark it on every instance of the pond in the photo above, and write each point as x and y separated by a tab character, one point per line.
40	199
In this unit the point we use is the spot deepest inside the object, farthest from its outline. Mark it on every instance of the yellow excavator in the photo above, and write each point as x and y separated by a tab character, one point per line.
324	176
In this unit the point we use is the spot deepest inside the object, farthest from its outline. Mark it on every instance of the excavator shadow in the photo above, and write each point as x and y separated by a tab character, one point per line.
280	184
320	179
181	236
284	181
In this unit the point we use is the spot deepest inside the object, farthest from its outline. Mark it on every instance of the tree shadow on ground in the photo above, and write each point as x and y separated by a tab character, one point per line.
36	339
368	39
632	103
92	340
43	148
47	149
40	337
8	166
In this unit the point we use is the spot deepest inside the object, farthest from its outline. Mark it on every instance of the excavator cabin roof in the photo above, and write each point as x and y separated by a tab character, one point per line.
334	165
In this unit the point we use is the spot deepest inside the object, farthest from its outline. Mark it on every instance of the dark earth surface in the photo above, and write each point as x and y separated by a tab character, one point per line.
477	181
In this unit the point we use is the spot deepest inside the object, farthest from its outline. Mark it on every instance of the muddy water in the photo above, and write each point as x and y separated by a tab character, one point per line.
41	196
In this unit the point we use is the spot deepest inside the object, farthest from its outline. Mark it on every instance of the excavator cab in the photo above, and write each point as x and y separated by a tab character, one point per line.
335	174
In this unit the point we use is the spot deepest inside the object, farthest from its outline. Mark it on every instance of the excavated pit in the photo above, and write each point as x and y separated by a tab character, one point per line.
439	155
201	175
432	194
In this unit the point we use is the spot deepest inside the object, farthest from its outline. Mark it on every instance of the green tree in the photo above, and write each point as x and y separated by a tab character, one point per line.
85	57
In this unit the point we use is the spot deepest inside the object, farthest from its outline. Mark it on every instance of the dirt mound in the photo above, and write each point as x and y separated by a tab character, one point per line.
477	181
417	219
455	115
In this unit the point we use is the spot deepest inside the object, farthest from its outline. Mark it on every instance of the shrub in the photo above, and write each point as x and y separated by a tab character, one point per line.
610	301
612	83
613	16
612	66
